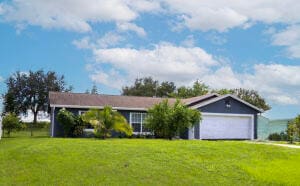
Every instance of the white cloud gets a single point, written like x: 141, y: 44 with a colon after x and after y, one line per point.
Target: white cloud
x: 290, y: 38
x: 166, y: 62
x: 74, y: 15
x: 222, y: 15
x: 125, y: 26
x: 1, y: 79
x: 278, y: 83
x: 189, y: 41
x: 108, y: 40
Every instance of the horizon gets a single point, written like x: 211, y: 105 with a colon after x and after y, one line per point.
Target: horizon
x: 253, y: 45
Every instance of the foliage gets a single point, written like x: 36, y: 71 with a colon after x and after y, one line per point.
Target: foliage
x: 105, y: 121
x: 250, y: 96
x: 11, y: 123
x: 38, y: 125
x: 148, y: 87
x: 293, y: 130
x: 198, y: 89
x: 94, y: 90
x: 278, y: 136
x: 29, y: 91
x: 67, y: 120
x: 73, y: 125
x: 168, y: 121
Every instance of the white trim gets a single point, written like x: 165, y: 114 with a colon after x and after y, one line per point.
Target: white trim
x: 230, y: 114
x: 81, y: 111
x: 225, y: 96
x: 99, y: 107
x: 142, y: 122
x: 52, y: 121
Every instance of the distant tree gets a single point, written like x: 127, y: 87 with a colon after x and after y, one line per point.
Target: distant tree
x: 30, y: 91
x: 87, y: 91
x: 250, y: 96
x: 9, y: 104
x: 223, y: 91
x: 142, y: 87
x: 165, y: 89
x: 10, y: 123
x: 105, y: 121
x: 168, y: 121
x: 94, y: 89
x: 198, y: 89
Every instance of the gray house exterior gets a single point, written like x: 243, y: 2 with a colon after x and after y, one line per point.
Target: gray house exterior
x: 224, y: 117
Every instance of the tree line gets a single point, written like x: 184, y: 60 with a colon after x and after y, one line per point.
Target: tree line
x: 149, y: 87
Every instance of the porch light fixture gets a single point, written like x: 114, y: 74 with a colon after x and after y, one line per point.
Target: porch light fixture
x: 227, y: 103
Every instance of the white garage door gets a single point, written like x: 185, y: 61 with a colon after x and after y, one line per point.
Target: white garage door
x: 226, y: 126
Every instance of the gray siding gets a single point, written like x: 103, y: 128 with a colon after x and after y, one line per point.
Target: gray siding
x: 58, y: 131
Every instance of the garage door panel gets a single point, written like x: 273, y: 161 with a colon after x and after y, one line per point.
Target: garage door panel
x: 225, y: 127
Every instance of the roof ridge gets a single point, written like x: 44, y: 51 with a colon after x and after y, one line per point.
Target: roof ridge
x: 79, y: 93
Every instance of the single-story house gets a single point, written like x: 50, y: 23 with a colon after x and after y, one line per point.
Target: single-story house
x: 223, y: 116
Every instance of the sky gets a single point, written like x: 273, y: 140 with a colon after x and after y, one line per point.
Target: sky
x: 223, y: 43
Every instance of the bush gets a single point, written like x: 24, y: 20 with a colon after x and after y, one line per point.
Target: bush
x: 278, y: 137
x: 11, y: 123
x: 38, y: 125
x: 168, y: 121
x: 72, y: 125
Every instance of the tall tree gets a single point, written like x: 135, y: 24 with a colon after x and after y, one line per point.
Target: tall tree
x: 142, y: 87
x: 30, y: 91
x: 250, y: 96
x: 198, y: 89
x: 165, y: 89
x: 94, y: 89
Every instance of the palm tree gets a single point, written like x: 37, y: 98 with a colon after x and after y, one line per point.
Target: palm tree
x: 105, y: 121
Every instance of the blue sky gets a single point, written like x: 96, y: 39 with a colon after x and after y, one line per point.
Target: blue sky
x: 225, y: 44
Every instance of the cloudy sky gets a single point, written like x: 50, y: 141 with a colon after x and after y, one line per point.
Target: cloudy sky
x: 224, y: 43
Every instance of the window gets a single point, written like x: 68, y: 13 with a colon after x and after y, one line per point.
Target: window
x: 88, y: 126
x: 81, y: 112
x: 137, y: 122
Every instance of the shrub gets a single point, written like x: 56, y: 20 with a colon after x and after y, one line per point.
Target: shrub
x: 67, y: 120
x: 11, y: 123
x: 38, y: 125
x: 169, y: 121
x: 293, y: 131
x: 278, y: 136
x: 73, y: 125
x: 107, y: 121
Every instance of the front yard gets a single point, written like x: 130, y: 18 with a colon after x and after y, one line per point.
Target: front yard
x: 47, y: 161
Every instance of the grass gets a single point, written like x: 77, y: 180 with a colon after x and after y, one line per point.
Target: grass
x: 48, y: 161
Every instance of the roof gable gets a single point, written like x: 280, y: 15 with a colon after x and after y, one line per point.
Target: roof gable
x: 226, y: 96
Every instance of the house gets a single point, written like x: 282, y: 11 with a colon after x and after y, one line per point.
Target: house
x: 223, y: 117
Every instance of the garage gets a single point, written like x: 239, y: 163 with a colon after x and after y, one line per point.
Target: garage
x: 225, y: 117
x: 226, y: 126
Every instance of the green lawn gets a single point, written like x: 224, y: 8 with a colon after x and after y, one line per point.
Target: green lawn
x: 47, y: 161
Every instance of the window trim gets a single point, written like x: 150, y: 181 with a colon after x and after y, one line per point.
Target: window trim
x: 80, y: 112
x: 141, y: 122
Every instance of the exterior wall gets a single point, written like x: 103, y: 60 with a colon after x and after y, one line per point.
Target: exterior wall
x: 58, y: 131
x: 267, y: 127
x: 236, y: 108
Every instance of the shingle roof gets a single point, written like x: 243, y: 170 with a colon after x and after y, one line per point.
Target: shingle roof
x: 99, y: 100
